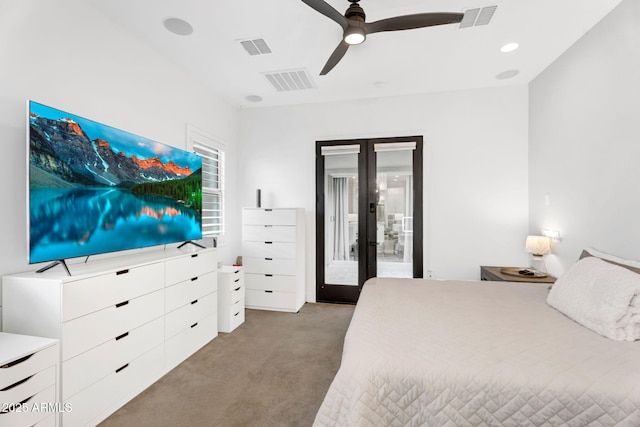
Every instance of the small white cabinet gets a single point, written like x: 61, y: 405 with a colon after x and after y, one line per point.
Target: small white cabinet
x: 231, y: 296
x: 273, y: 256
x: 122, y: 322
x: 28, y: 381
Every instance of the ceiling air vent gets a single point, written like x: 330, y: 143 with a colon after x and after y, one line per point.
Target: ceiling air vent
x: 477, y: 17
x: 255, y: 47
x: 286, y: 81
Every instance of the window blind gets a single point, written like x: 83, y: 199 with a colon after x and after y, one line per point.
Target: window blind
x: 212, y: 189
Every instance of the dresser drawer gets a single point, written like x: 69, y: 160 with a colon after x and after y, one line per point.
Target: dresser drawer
x: 263, y: 282
x: 26, y: 366
x: 236, y: 295
x: 190, y: 314
x: 92, y: 330
x: 236, y: 309
x: 229, y: 274
x: 269, y: 249
x: 190, y: 266
x: 187, y: 342
x: 30, y: 411
x: 95, y: 293
x: 125, y: 382
x: 271, y: 300
x: 27, y: 387
x: 275, y: 233
x: 270, y: 266
x: 90, y: 366
x: 231, y: 317
x: 237, y: 318
x: 269, y: 216
x: 184, y: 292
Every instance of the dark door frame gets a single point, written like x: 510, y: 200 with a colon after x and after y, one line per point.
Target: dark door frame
x: 367, y: 227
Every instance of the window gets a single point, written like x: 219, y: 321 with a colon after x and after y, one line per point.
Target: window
x: 212, y: 182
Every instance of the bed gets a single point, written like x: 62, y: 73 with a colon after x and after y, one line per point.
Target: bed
x: 423, y: 352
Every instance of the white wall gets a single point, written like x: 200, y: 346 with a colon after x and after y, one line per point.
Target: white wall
x: 584, y: 147
x: 65, y: 54
x: 475, y: 175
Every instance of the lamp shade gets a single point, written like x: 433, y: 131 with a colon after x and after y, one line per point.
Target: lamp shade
x: 538, y: 245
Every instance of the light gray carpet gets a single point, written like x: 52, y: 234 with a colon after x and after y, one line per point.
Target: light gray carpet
x: 273, y: 370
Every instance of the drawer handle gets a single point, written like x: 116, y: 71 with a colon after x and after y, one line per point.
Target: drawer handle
x: 236, y: 272
x: 237, y: 280
x: 13, y: 406
x: 236, y: 314
x: 194, y: 301
x: 122, y: 304
x: 238, y: 288
x: 268, y: 243
x: 119, y: 337
x: 17, y: 384
x: 194, y: 325
x: 193, y: 279
x: 194, y: 255
x: 269, y: 275
x: 17, y: 361
x: 266, y: 226
x: 268, y: 259
x: 268, y: 210
x: 122, y: 367
x: 269, y: 292
x: 121, y: 272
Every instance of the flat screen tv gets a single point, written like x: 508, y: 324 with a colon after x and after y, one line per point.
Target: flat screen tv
x: 94, y: 189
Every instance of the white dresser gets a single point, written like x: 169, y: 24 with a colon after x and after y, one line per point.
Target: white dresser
x: 273, y: 255
x: 122, y: 322
x: 28, y: 381
x: 231, y: 293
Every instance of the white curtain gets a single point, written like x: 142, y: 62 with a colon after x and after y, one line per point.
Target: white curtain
x: 341, y: 219
x: 408, y: 211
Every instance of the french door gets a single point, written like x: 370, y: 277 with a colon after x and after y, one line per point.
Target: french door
x: 368, y: 213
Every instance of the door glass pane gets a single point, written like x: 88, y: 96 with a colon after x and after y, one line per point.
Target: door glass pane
x: 341, y: 219
x: 394, y: 213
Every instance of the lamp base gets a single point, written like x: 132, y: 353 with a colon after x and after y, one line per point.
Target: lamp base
x: 537, y: 264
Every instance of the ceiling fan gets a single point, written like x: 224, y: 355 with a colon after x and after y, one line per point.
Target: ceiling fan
x: 356, y: 29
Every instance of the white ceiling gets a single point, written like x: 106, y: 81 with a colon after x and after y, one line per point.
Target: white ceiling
x: 423, y: 60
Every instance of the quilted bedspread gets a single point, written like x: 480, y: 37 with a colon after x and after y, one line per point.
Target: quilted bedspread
x: 451, y: 353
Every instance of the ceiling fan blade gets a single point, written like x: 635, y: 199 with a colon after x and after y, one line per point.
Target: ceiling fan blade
x: 408, y: 22
x: 328, y: 11
x: 335, y: 57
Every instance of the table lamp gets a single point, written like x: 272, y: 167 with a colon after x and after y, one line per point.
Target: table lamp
x: 538, y: 246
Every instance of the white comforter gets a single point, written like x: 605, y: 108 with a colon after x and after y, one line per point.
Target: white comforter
x: 451, y: 353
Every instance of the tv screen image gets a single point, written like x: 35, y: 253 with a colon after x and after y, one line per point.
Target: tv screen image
x: 95, y: 189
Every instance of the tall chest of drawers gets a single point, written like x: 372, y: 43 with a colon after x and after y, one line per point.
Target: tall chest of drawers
x: 273, y: 255
x: 28, y: 381
x: 231, y: 294
x: 122, y: 322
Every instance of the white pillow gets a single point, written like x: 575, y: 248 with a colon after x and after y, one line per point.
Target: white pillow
x: 602, y: 296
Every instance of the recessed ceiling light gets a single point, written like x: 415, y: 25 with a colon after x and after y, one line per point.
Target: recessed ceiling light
x: 253, y: 98
x: 509, y: 47
x: 507, y: 74
x: 177, y: 26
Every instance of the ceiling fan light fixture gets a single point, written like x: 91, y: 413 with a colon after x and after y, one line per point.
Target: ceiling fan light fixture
x: 354, y: 35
